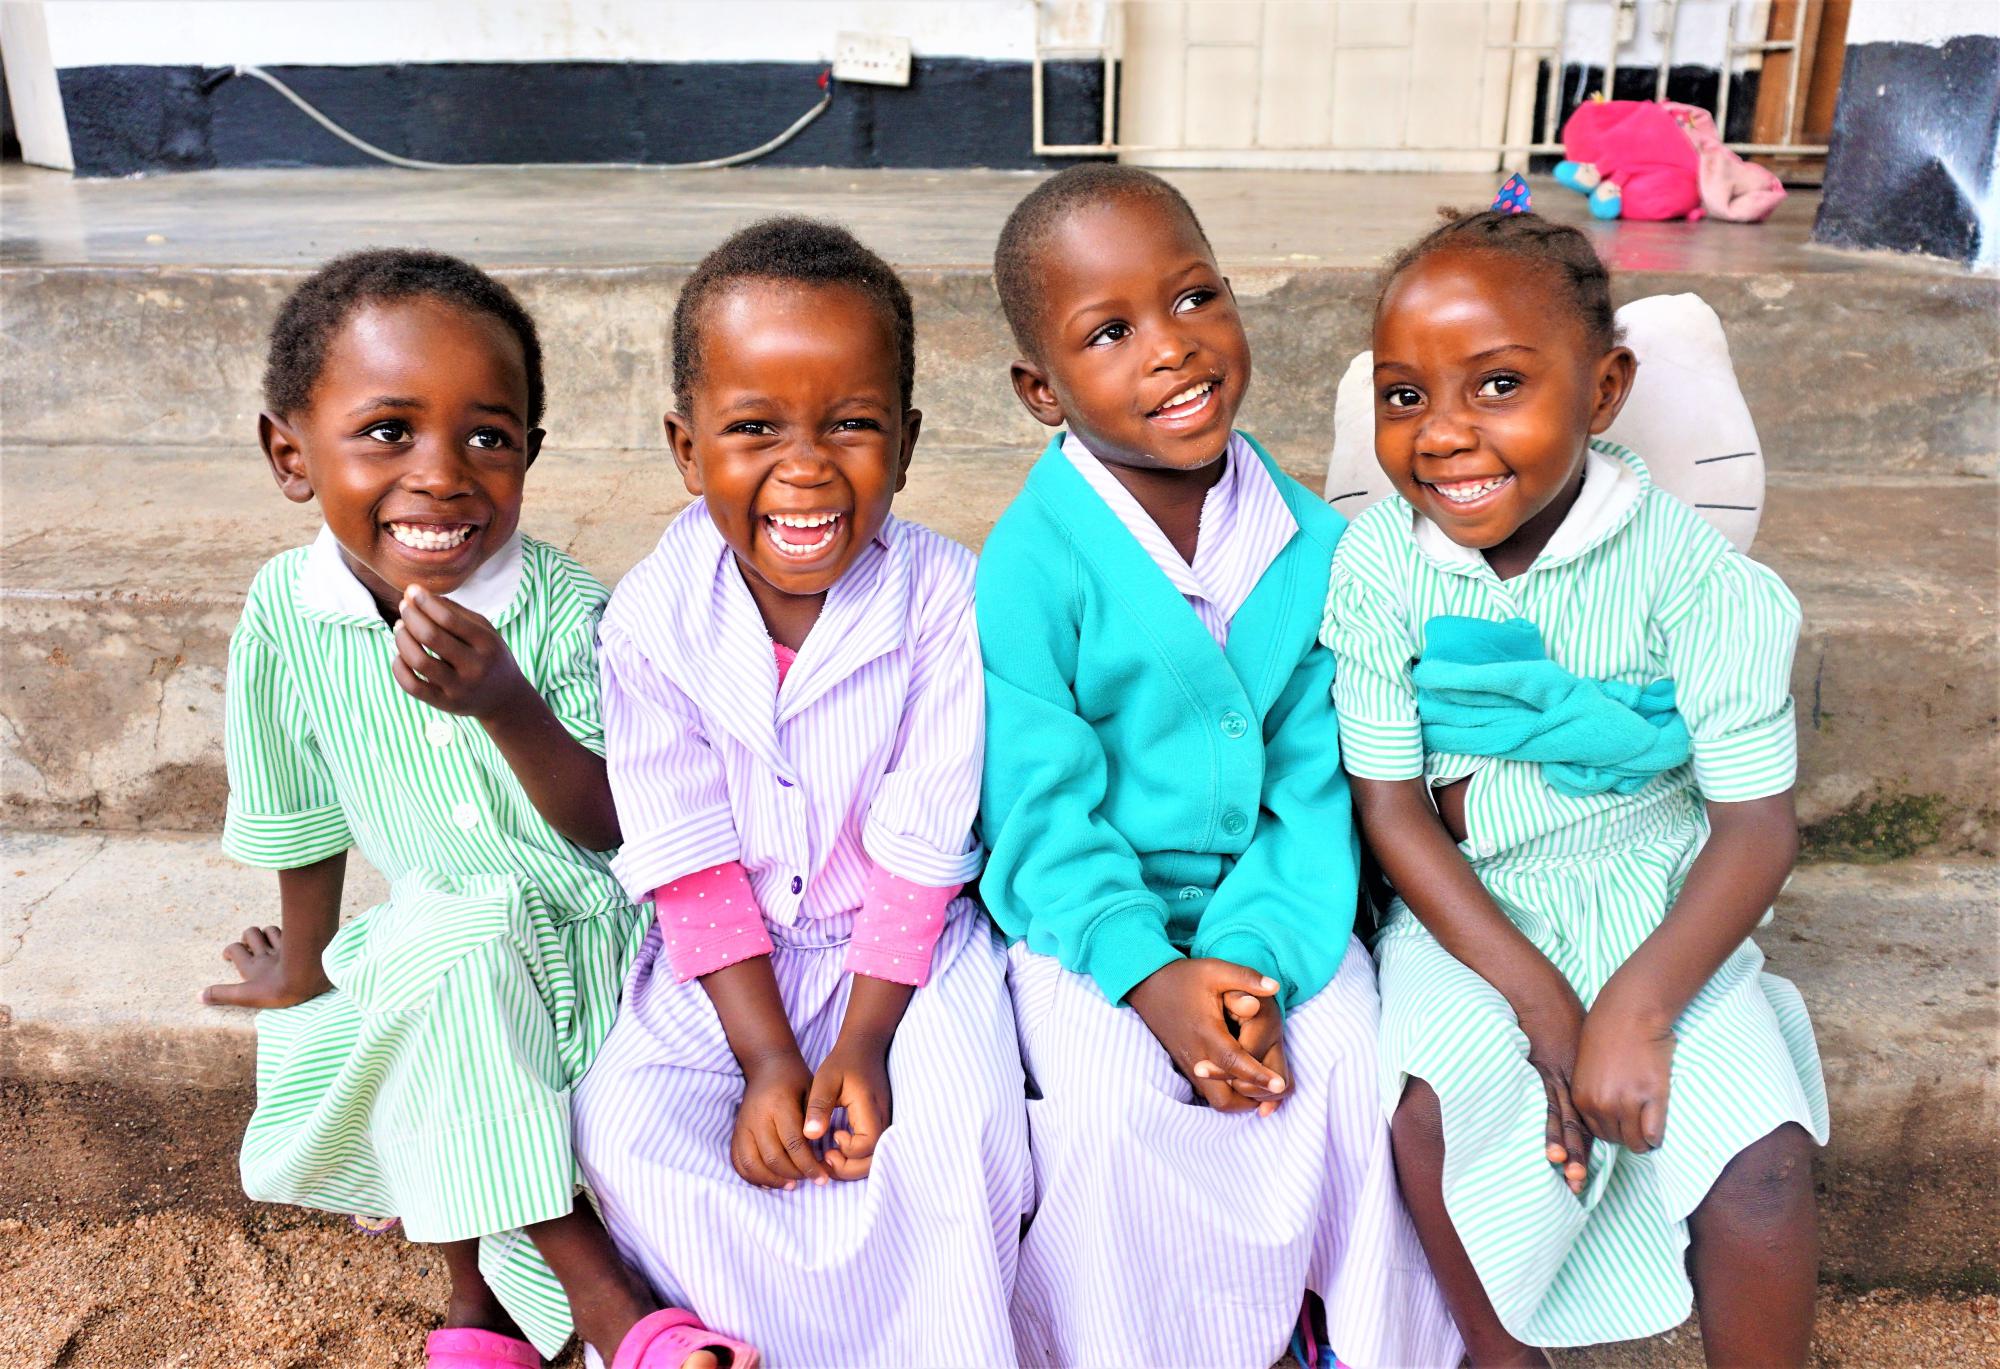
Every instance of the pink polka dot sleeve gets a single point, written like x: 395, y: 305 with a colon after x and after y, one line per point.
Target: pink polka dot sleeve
x: 897, y: 927
x: 710, y: 919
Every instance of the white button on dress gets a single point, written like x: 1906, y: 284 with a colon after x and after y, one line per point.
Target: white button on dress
x: 465, y: 815
x: 440, y: 732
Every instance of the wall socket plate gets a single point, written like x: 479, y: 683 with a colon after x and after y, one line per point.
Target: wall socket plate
x: 871, y: 58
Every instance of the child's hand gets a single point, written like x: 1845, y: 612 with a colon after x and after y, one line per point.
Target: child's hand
x: 854, y: 1076
x: 269, y: 980
x: 1623, y: 1066
x: 769, y: 1147
x: 1553, y: 1025
x: 453, y: 660
x: 1181, y: 1004
x: 1259, y: 1025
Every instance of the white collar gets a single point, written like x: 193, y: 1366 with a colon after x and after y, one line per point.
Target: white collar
x: 328, y: 588
x: 1614, y: 481
x: 1244, y: 485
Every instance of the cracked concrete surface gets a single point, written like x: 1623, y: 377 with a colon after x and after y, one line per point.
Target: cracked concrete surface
x: 106, y: 942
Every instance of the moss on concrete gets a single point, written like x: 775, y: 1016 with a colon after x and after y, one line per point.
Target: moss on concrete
x: 1875, y: 831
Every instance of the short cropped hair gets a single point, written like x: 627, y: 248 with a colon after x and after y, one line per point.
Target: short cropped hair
x: 1016, y: 259
x: 315, y: 311
x: 796, y: 249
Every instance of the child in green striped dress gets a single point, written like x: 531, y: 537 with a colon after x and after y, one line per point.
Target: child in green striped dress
x: 1564, y: 705
x: 422, y: 682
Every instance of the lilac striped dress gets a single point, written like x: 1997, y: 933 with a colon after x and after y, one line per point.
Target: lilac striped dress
x: 1168, y: 1233
x: 867, y: 755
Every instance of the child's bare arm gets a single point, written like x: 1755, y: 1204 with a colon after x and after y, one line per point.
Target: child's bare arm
x: 453, y: 660
x: 1434, y: 879
x: 1628, y: 1040
x: 281, y: 966
x: 769, y: 1147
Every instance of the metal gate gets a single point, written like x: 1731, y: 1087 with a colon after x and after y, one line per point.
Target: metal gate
x: 1384, y: 84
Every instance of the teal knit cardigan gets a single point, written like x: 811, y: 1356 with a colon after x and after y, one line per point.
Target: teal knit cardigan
x: 1147, y: 794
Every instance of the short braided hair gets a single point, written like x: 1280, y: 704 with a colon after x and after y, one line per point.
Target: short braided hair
x: 315, y: 311
x: 790, y: 248
x: 1017, y: 274
x: 1562, y: 251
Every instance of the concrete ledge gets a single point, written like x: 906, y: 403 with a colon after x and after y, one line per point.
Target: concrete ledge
x: 120, y: 593
x: 1884, y: 371
x: 108, y: 939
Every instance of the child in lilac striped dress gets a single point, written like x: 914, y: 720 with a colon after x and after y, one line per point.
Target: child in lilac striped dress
x: 1173, y: 850
x: 808, y: 1123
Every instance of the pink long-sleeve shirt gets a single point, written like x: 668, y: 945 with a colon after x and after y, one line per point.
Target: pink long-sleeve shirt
x: 843, y: 795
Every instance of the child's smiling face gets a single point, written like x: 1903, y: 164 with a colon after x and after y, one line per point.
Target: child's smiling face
x: 796, y: 435
x: 1141, y: 352
x: 1487, y: 391
x: 415, y: 442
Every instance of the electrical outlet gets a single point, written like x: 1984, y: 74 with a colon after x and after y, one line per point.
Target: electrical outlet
x: 871, y: 58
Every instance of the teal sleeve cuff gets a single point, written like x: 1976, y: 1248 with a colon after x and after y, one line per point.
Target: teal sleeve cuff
x: 1252, y: 952
x: 1125, y: 946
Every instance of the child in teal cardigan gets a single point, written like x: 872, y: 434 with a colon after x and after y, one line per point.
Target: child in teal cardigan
x: 1171, y: 834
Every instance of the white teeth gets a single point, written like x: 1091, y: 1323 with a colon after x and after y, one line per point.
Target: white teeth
x: 798, y: 551
x: 1191, y: 393
x: 809, y: 520
x: 1468, y: 491
x: 424, y: 537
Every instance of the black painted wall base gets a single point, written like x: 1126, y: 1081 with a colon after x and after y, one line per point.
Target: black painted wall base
x: 955, y: 112
x: 1910, y: 167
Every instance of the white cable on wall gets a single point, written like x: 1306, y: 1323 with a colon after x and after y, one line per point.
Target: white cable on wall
x: 417, y: 164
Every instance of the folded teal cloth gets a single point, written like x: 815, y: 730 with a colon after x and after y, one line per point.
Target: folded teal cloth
x: 1490, y: 689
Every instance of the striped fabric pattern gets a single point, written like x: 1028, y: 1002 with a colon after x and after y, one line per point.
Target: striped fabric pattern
x: 1171, y: 1234
x: 871, y: 750
x: 1244, y: 524
x: 434, y: 1082
x: 1634, y: 586
x: 867, y: 754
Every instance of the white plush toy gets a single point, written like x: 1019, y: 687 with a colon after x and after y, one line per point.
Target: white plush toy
x: 1685, y: 418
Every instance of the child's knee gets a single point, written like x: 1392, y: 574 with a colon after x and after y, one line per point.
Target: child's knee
x: 1767, y: 1184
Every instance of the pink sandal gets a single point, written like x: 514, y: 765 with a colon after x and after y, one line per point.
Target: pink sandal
x: 666, y: 1338
x: 463, y: 1347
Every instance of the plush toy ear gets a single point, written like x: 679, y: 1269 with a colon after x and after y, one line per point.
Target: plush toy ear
x: 1686, y: 417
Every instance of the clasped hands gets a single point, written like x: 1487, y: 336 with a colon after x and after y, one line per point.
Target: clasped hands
x: 782, y: 1125
x: 1221, y: 1025
x: 1606, y: 1074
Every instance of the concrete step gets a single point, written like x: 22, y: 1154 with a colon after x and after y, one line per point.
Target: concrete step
x: 109, y: 937
x: 123, y: 571
x: 136, y: 311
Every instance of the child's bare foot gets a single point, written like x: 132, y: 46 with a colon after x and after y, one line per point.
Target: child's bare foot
x: 269, y: 980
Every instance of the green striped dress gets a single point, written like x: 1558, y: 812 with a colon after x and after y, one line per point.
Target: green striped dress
x: 1634, y: 586
x: 433, y: 1083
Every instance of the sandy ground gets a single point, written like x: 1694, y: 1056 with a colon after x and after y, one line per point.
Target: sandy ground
x: 291, y: 1291
x: 125, y: 1243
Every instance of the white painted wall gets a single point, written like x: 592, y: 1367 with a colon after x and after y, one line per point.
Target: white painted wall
x: 32, y: 94
x: 356, y: 32
x: 1921, y: 21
